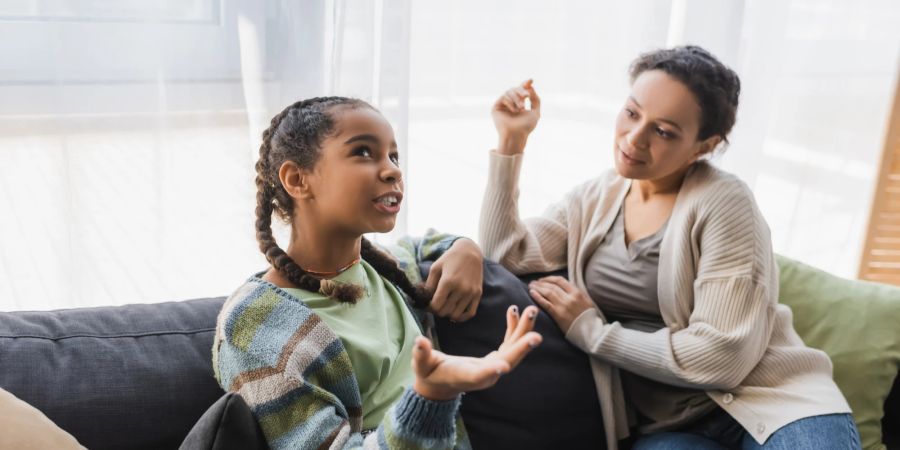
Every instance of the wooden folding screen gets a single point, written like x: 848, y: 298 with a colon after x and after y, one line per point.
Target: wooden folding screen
x: 881, y: 256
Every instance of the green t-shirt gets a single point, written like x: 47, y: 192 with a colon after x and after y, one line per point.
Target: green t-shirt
x: 378, y: 332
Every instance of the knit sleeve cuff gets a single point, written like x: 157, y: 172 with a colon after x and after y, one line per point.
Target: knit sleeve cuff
x: 419, y: 417
x: 584, y: 330
x: 503, y: 170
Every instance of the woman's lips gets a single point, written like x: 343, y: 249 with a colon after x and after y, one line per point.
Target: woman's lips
x: 629, y: 160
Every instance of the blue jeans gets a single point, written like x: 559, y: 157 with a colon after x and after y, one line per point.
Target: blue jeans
x: 719, y: 431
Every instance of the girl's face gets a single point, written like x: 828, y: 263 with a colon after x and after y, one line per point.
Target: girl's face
x: 356, y: 185
x: 656, y: 131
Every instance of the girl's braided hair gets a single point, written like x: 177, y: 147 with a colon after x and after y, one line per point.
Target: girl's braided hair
x: 296, y: 134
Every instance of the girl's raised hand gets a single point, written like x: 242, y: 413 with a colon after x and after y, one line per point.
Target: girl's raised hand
x: 513, y: 119
x: 440, y: 376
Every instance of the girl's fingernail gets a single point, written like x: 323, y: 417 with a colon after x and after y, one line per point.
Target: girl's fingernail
x: 515, y: 309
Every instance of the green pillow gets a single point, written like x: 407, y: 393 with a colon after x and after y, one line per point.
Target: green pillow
x: 858, y: 324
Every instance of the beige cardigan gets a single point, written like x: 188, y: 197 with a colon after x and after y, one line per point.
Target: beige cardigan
x: 718, y: 295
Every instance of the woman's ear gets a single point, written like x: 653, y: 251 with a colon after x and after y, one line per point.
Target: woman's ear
x: 706, y: 147
x: 295, y: 180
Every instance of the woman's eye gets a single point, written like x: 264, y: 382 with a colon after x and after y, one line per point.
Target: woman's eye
x: 663, y: 133
x: 631, y: 114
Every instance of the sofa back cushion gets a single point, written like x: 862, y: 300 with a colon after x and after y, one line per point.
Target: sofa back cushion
x: 858, y: 324
x: 126, y: 377
x: 548, y: 401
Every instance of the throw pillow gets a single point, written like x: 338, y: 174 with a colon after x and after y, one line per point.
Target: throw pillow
x: 26, y: 428
x: 227, y: 424
x: 856, y: 323
x: 548, y: 401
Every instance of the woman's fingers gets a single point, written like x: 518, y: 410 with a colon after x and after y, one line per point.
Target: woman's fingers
x: 532, y: 94
x: 561, y: 282
x: 542, y: 301
x: 509, y: 104
x: 549, y: 290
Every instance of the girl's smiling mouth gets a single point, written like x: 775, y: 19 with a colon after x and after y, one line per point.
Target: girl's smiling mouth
x: 389, y: 203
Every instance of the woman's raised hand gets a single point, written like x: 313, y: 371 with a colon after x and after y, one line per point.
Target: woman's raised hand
x: 513, y: 119
x: 440, y: 376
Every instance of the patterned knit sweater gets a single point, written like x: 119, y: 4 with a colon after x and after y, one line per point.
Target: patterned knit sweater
x: 725, y: 331
x: 296, y: 375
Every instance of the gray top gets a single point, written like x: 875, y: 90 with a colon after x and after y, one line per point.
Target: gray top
x: 622, y: 280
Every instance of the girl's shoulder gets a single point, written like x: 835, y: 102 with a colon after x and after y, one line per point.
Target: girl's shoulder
x: 253, y: 302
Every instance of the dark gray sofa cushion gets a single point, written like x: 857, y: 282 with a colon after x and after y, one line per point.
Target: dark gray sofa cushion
x: 549, y: 401
x: 227, y: 425
x: 127, y: 377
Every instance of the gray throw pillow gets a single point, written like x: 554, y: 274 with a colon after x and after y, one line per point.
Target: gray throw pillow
x: 227, y: 425
x: 548, y: 401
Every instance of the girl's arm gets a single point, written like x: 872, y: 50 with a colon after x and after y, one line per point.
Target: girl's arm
x: 456, y: 276
x: 292, y: 371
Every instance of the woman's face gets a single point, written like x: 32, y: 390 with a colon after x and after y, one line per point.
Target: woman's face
x: 656, y: 130
x: 356, y: 185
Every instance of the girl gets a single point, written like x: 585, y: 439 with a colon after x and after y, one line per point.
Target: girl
x: 673, y: 287
x: 322, y: 345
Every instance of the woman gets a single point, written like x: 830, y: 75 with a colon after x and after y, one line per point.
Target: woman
x: 673, y: 287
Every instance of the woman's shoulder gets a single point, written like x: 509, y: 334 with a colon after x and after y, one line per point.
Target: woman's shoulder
x: 710, y: 185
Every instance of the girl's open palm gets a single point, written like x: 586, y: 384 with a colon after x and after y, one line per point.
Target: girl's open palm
x: 440, y: 376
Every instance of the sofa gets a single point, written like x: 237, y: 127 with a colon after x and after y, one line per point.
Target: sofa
x: 139, y: 376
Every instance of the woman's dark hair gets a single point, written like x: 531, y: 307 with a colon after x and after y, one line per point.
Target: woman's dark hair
x: 715, y: 86
x: 296, y: 134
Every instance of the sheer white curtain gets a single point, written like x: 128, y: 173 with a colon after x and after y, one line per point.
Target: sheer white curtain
x: 129, y: 130
x: 817, y: 75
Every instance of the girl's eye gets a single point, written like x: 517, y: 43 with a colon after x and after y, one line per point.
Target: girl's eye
x: 395, y: 157
x: 664, y: 134
x: 365, y: 152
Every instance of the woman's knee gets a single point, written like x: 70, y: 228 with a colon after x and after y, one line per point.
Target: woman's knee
x: 827, y: 432
x: 675, y: 441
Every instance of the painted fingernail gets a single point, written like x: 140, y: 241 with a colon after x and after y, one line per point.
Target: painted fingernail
x: 515, y: 309
x: 532, y: 315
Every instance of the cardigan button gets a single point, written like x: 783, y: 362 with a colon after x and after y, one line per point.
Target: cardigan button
x: 760, y: 428
x: 728, y: 398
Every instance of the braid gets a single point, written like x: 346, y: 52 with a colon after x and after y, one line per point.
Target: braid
x: 271, y: 196
x: 387, y: 267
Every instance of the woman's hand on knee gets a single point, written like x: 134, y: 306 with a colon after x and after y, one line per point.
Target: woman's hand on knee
x: 442, y: 377
x: 513, y: 119
x: 456, y: 280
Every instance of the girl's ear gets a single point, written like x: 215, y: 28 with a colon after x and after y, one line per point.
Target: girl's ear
x: 295, y: 180
x: 706, y: 146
